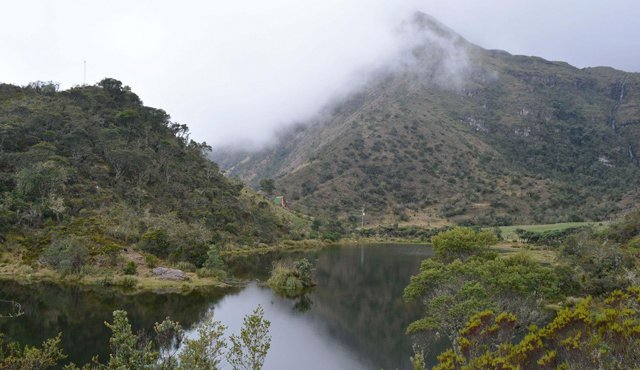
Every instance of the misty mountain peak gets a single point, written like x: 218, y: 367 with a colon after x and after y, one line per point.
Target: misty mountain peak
x: 425, y: 22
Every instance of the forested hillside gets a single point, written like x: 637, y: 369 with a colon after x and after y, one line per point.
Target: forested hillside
x: 87, y: 172
x: 464, y: 134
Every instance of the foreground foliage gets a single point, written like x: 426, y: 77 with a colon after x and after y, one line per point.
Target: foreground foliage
x: 168, y: 350
x: 484, y: 303
x: 592, y: 335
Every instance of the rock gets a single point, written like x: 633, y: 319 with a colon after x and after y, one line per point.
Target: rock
x: 165, y: 273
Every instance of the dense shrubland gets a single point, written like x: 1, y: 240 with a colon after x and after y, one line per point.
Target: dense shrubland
x: 88, y: 172
x: 512, y: 312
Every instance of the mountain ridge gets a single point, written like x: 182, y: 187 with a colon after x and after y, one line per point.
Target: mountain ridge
x: 533, y: 139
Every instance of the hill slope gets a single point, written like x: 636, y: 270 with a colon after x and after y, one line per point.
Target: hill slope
x: 467, y: 134
x: 92, y: 165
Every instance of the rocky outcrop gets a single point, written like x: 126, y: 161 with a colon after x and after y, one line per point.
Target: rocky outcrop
x: 165, y: 273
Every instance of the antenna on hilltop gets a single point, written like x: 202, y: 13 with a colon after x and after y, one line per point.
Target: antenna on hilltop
x: 84, y: 78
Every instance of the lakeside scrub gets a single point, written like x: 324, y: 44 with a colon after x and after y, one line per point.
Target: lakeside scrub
x: 291, y: 279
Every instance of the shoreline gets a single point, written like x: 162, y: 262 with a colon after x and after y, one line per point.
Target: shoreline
x: 145, y: 282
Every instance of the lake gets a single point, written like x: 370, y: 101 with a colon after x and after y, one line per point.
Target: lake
x: 354, y: 318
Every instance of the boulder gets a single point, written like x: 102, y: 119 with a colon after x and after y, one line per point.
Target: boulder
x: 165, y: 273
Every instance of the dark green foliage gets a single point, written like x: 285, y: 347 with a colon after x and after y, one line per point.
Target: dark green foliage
x: 626, y: 229
x: 268, y: 186
x: 403, y: 232
x: 15, y: 357
x: 249, y: 348
x: 155, y: 242
x: 462, y: 242
x: 598, y: 264
x: 550, y: 237
x: 291, y: 279
x: 130, y: 268
x: 67, y: 255
x: 93, y: 163
x: 453, y: 292
x: 213, y: 261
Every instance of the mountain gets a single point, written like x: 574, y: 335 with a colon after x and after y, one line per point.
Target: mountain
x: 93, y: 167
x: 456, y: 132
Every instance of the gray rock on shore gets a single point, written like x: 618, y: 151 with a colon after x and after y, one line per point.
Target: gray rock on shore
x: 165, y: 273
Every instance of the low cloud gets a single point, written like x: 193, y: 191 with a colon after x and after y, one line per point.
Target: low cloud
x: 235, y: 72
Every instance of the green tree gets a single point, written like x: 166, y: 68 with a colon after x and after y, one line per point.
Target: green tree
x: 15, y: 357
x: 268, y: 186
x: 452, y: 293
x: 213, y: 261
x: 249, y: 349
x: 205, y: 352
x: 67, y: 255
x: 462, y: 242
x: 127, y: 349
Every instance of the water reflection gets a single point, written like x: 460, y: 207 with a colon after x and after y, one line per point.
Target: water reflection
x: 79, y: 313
x: 353, y: 319
x: 357, y: 304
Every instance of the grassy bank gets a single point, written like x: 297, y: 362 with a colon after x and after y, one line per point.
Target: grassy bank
x: 25, y: 274
x: 12, y: 268
x: 509, y: 232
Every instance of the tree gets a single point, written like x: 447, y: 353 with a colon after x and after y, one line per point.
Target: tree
x: 462, y: 242
x: 207, y: 350
x: 13, y: 356
x: 111, y: 85
x: 127, y: 350
x: 268, y: 186
x: 249, y: 349
x: 453, y: 292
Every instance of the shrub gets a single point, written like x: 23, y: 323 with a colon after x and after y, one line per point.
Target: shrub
x: 130, y: 268
x: 634, y: 243
x: 213, y: 260
x: 186, y: 266
x: 591, y: 335
x: 462, y: 242
x: 291, y: 279
x: 66, y: 255
x: 211, y: 273
x: 151, y: 261
x: 128, y: 282
x: 156, y: 242
x: 105, y: 281
x: 112, y: 251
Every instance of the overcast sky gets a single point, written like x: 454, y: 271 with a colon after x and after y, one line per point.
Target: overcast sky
x: 234, y: 70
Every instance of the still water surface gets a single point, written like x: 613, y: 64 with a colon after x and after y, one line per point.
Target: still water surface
x: 353, y: 319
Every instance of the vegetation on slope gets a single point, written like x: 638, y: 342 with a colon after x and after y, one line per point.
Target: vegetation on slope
x: 518, y: 140
x: 500, y: 297
x: 87, y: 173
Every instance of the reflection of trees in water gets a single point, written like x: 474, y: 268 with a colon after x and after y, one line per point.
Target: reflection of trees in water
x: 303, y: 303
x: 259, y: 266
x: 80, y: 313
x: 362, y: 302
x: 360, y: 305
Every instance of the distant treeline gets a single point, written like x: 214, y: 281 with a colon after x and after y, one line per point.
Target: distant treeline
x: 403, y: 232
